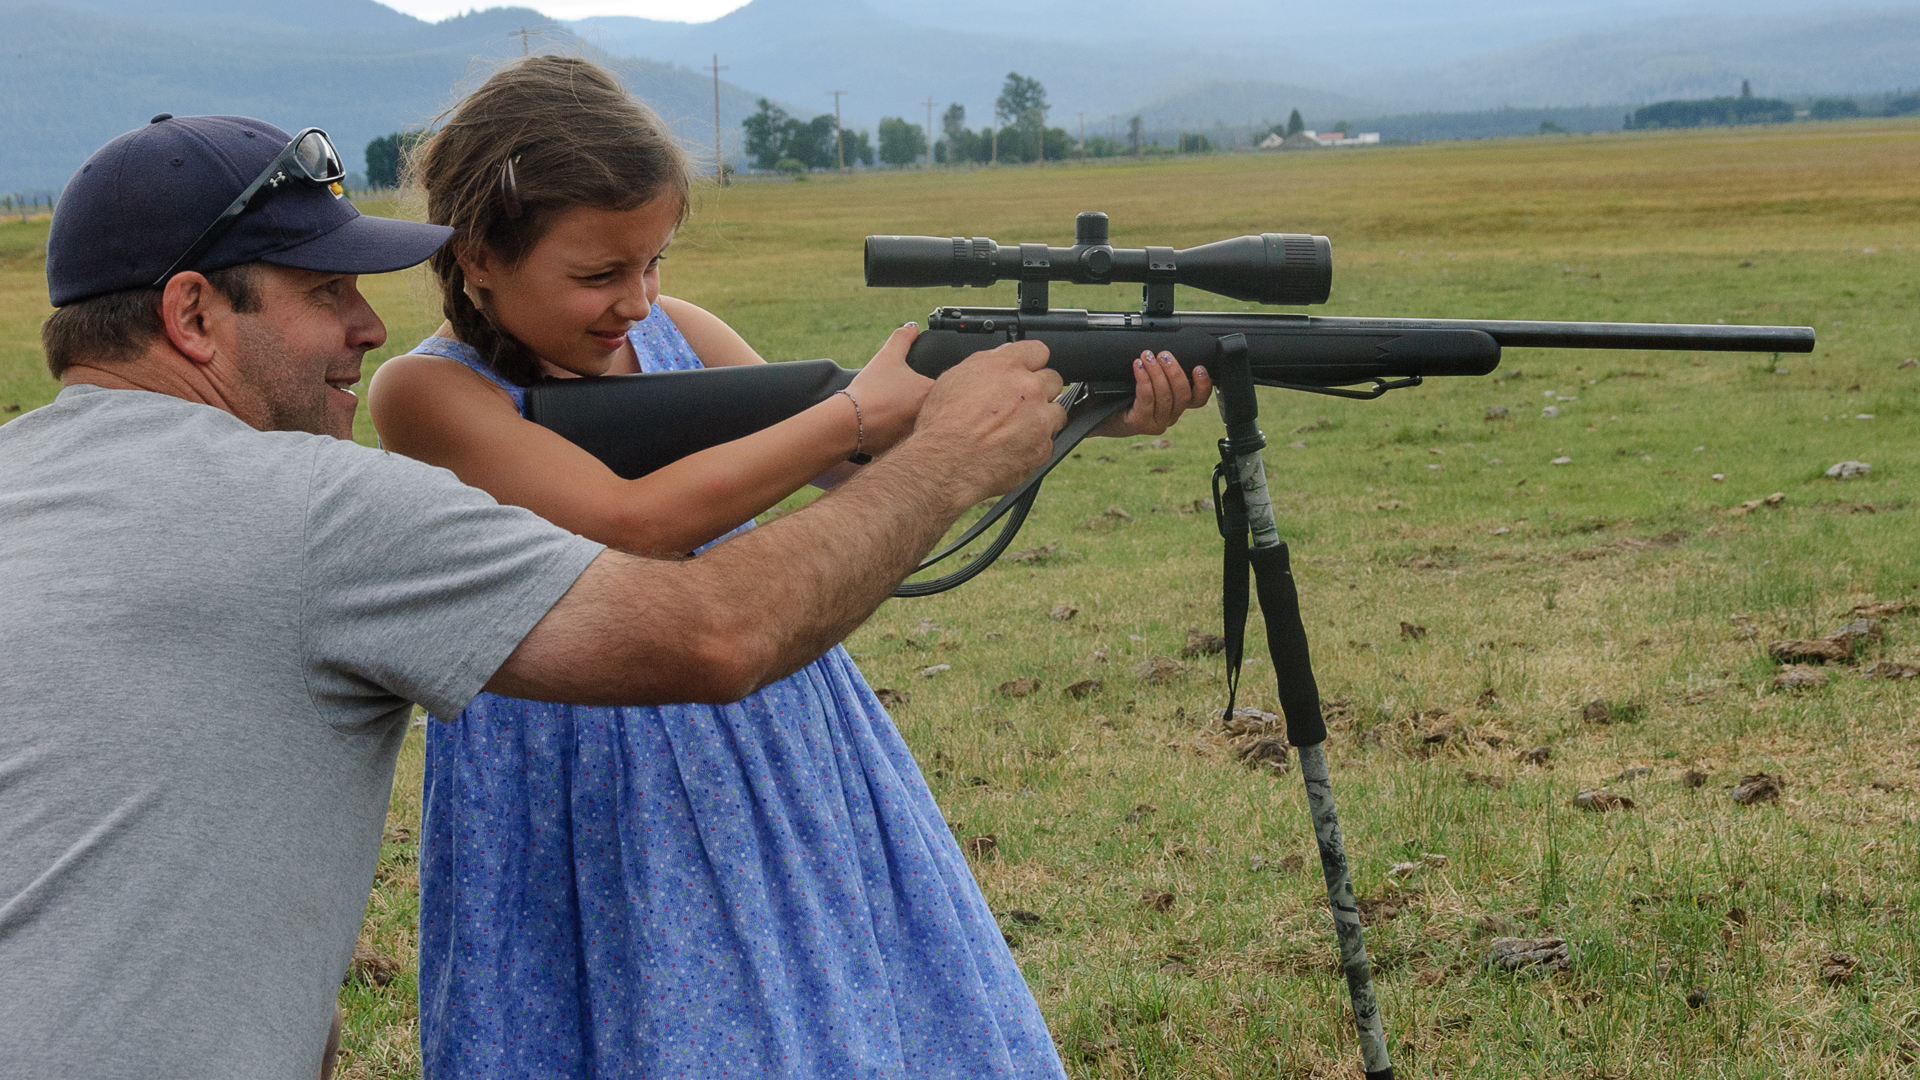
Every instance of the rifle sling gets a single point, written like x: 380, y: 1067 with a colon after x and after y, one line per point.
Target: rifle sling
x: 1272, y: 575
x: 1088, y: 409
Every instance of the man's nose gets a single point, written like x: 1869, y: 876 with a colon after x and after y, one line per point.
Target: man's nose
x: 365, y: 331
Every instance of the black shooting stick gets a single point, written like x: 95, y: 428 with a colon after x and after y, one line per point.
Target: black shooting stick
x: 1243, y: 507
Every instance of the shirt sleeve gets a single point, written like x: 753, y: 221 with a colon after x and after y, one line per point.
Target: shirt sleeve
x: 418, y: 587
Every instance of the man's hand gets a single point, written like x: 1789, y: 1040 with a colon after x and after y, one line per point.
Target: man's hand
x: 990, y: 420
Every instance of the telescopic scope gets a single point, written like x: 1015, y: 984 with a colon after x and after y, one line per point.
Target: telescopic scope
x: 1272, y: 268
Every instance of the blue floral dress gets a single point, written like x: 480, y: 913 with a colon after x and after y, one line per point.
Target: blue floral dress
x: 762, y: 889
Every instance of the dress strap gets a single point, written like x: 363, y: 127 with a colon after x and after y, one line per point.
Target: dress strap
x: 450, y: 349
x: 660, y: 346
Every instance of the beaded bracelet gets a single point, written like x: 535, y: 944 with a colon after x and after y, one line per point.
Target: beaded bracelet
x: 859, y: 432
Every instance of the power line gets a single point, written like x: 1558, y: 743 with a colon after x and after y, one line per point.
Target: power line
x: 839, y: 150
x: 929, y: 104
x: 719, y: 170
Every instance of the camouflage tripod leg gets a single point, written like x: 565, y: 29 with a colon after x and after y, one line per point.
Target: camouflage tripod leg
x: 1346, y: 914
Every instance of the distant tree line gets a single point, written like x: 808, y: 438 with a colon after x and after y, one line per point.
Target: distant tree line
x: 1747, y: 109
x: 776, y: 141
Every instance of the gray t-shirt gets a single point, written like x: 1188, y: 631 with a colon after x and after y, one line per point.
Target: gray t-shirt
x: 210, y: 637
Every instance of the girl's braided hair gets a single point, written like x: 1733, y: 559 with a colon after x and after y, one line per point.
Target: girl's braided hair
x: 542, y: 135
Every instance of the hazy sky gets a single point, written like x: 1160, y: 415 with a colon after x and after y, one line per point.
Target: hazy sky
x: 679, y: 10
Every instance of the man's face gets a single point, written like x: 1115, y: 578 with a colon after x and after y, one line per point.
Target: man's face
x: 292, y: 363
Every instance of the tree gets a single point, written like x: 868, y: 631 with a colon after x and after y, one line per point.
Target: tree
x: 812, y: 142
x: 1136, y: 135
x: 901, y: 143
x: 1746, y: 89
x: 1295, y: 125
x: 1834, y: 109
x: 1021, y: 110
x: 856, y: 145
x: 766, y: 132
x: 960, y: 144
x: 387, y: 156
x: 1021, y: 100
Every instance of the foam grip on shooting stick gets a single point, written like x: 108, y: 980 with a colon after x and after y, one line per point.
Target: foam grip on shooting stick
x: 1287, y: 642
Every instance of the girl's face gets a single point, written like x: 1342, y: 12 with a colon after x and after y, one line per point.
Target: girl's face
x: 592, y: 276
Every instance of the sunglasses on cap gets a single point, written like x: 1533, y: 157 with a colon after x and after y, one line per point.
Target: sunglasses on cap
x: 309, y: 159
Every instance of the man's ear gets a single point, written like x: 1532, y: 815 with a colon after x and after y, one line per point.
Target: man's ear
x: 187, y: 304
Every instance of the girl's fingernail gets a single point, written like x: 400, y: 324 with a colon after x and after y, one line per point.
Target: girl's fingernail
x: 913, y: 326
x: 1198, y: 372
x: 1139, y: 365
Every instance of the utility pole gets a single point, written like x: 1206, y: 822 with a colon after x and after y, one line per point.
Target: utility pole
x: 523, y: 34
x: 719, y: 170
x: 839, y: 151
x: 929, y: 104
x: 1083, y: 134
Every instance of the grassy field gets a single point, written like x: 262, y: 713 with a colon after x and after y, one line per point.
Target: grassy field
x: 1165, y: 918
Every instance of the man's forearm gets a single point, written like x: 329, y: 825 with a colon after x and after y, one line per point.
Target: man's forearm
x: 832, y: 563
x: 637, y: 631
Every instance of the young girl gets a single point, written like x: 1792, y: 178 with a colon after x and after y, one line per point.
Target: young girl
x: 760, y: 889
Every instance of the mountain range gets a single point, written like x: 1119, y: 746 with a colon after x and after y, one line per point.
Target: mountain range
x: 82, y: 71
x: 75, y: 73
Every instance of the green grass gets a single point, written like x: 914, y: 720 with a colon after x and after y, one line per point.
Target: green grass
x: 1616, y: 577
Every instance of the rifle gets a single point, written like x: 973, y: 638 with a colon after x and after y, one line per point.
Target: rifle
x: 639, y: 423
x: 636, y: 423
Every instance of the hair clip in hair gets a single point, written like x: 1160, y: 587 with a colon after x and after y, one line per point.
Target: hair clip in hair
x: 510, y: 191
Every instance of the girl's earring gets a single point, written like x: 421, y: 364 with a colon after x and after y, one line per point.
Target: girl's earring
x: 473, y: 292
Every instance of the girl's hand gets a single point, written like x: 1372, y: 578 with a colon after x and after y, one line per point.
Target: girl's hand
x: 889, y: 393
x: 1161, y: 392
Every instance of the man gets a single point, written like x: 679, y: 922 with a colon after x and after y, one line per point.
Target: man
x: 218, y: 612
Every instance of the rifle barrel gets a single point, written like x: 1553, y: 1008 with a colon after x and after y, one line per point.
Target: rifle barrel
x: 1693, y: 337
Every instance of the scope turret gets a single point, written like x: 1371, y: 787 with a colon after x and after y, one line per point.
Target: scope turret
x: 1272, y: 268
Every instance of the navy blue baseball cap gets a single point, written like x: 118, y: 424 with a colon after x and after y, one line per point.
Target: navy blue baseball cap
x: 142, y: 200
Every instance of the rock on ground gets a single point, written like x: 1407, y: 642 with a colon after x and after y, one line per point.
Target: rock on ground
x: 1800, y: 677
x: 1600, y: 800
x: 1758, y: 788
x: 1517, y: 954
x: 1159, y: 669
